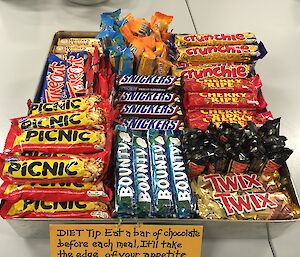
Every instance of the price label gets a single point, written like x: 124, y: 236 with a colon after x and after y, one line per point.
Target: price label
x: 128, y: 240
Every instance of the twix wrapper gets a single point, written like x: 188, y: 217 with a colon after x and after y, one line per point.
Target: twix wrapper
x: 225, y: 203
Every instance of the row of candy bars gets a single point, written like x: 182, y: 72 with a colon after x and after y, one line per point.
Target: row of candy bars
x: 150, y: 102
x: 78, y: 71
x: 219, y: 75
x: 151, y: 178
x: 56, y: 160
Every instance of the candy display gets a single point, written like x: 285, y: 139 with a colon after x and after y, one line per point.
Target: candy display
x: 137, y: 122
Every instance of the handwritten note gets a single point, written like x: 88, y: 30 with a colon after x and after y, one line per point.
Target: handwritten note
x: 128, y: 240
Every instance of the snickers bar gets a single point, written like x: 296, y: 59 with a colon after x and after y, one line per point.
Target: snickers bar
x: 149, y: 83
x: 157, y: 124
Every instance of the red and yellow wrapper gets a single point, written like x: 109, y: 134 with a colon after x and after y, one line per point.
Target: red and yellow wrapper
x: 49, y: 192
x: 96, y: 117
x: 250, y: 101
x: 196, y: 55
x: 57, y: 140
x: 215, y: 70
x: 67, y: 105
x: 48, y: 209
x: 81, y: 168
x: 227, y: 85
x: 187, y: 40
x: 201, y: 118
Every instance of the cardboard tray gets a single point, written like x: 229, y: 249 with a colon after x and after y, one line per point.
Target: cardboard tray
x: 39, y: 228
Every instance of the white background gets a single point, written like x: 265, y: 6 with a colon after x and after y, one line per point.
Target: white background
x: 26, y: 30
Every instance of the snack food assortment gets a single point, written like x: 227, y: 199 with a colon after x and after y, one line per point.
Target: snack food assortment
x: 167, y: 125
x: 55, y: 160
x: 220, y: 81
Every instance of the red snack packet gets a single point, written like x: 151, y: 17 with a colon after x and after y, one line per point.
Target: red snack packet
x: 228, y: 85
x: 56, y: 169
x: 92, y: 118
x: 48, y: 209
x: 228, y: 70
x: 56, y: 192
x: 201, y: 118
x: 57, y: 140
x: 67, y: 105
x: 250, y: 101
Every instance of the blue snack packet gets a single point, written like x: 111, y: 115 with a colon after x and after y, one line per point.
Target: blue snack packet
x: 125, y: 198
x: 183, y: 196
x: 162, y: 189
x: 54, y: 82
x: 115, y: 53
x: 142, y: 168
x: 126, y: 62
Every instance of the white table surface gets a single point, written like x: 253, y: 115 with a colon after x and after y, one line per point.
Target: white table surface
x: 26, y: 30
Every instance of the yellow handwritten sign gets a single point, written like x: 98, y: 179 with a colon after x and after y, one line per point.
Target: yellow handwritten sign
x: 111, y: 240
